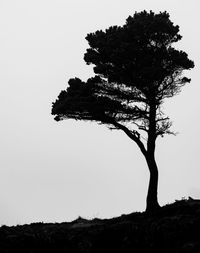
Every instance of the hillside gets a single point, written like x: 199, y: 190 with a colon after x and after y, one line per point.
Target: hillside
x: 175, y: 228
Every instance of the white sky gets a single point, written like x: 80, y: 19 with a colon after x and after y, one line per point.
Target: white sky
x: 53, y: 172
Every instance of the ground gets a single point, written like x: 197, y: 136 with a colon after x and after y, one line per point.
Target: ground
x: 174, y: 228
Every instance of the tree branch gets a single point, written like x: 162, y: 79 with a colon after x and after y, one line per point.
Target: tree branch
x: 162, y: 119
x: 134, y: 135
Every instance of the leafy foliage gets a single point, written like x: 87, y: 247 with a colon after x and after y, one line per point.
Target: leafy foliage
x: 136, y: 67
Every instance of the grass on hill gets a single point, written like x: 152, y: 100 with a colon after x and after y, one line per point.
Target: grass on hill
x: 174, y: 228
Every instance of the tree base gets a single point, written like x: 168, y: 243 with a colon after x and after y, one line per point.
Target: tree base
x: 153, y: 209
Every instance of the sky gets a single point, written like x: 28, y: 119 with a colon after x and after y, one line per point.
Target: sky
x: 56, y: 171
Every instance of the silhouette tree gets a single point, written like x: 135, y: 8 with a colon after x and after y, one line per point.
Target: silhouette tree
x: 136, y: 68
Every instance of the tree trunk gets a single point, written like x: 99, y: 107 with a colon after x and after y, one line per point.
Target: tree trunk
x: 152, y: 195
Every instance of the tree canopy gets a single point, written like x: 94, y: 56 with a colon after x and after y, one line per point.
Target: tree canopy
x: 134, y: 65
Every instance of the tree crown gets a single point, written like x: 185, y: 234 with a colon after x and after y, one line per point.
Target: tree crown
x: 136, y: 67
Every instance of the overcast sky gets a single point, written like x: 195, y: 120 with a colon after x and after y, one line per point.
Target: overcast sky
x: 55, y: 171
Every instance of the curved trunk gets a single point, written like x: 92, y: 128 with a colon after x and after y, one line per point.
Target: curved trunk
x: 152, y: 195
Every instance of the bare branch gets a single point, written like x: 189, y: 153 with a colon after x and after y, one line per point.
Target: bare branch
x: 134, y: 135
x: 162, y: 119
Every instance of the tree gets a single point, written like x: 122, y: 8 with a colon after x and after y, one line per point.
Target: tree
x: 136, y: 68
